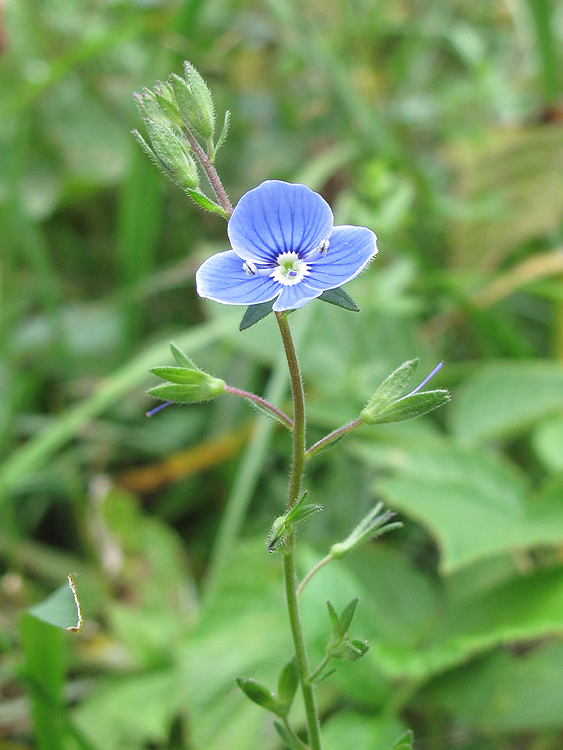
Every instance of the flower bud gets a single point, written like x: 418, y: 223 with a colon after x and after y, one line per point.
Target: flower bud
x: 173, y: 152
x: 194, y: 102
x: 186, y: 386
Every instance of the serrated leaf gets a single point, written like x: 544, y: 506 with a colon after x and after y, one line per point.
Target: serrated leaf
x: 347, y: 615
x: 61, y: 608
x: 182, y: 359
x: 288, y: 683
x: 411, y: 407
x: 254, y: 314
x: 339, y: 298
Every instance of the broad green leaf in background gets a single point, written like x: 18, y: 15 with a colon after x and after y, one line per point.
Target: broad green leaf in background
x: 504, y: 398
x: 505, y: 691
x: 61, y: 608
x: 348, y: 729
x: 473, y: 504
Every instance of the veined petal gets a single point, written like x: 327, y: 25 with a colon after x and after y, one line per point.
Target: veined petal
x: 278, y: 217
x: 223, y: 279
x: 350, y: 250
x: 295, y: 296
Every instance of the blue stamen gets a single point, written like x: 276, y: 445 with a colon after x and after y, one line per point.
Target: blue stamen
x: 158, y: 408
x: 434, y: 371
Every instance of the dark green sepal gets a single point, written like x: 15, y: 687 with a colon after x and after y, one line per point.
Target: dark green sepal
x: 412, y: 406
x: 339, y: 645
x: 282, y: 524
x: 261, y: 695
x: 189, y: 393
x: 180, y: 375
x: 182, y: 359
x: 254, y: 314
x: 339, y: 298
x: 390, y: 390
x: 347, y: 615
x: 287, y: 684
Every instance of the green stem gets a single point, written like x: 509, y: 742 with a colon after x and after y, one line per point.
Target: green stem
x: 297, y: 467
x: 312, y: 572
x: 261, y: 402
x: 211, y: 173
x: 334, y: 435
x: 319, y: 669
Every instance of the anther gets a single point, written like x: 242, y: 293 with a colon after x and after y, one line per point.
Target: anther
x: 323, y: 247
x: 249, y: 268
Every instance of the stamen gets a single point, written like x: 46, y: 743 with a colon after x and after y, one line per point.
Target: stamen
x: 158, y: 408
x: 249, y: 268
x: 434, y: 371
x: 323, y: 247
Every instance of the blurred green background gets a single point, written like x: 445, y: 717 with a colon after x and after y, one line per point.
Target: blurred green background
x: 436, y: 123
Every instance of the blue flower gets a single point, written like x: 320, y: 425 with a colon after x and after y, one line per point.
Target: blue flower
x: 284, y: 247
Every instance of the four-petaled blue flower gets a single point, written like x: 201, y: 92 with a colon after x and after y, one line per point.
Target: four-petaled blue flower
x: 284, y: 247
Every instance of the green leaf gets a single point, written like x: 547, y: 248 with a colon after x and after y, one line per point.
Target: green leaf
x: 223, y: 135
x: 265, y: 411
x: 288, y: 683
x: 335, y: 620
x: 61, y: 608
x: 286, y: 737
x: 413, y: 406
x: 347, y: 615
x: 503, y: 399
x: 182, y: 359
x: 339, y: 298
x: 473, y: 504
x: 505, y: 692
x: 301, y: 512
x: 254, y: 314
x: 204, y: 202
x: 351, y: 730
x: 261, y: 696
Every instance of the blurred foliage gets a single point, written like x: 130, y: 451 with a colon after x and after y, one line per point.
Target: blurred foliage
x: 438, y: 125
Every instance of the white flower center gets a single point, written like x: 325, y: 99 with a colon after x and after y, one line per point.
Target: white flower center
x: 290, y: 269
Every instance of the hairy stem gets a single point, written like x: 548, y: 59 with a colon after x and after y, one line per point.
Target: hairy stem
x: 261, y: 402
x: 297, y: 467
x: 312, y: 572
x: 325, y: 442
x: 211, y: 173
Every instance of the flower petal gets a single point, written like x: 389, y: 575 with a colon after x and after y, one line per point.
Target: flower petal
x: 295, y: 296
x: 223, y: 279
x: 350, y: 250
x: 278, y: 217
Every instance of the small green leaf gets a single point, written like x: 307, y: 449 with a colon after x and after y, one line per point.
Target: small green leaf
x: 413, y: 406
x: 302, y: 511
x: 291, y: 743
x: 266, y: 412
x: 223, y: 136
x: 339, y: 298
x: 288, y: 684
x: 261, y: 695
x: 404, y: 742
x: 348, y: 615
x: 61, y: 608
x: 254, y: 314
x: 204, y: 202
x: 182, y: 359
